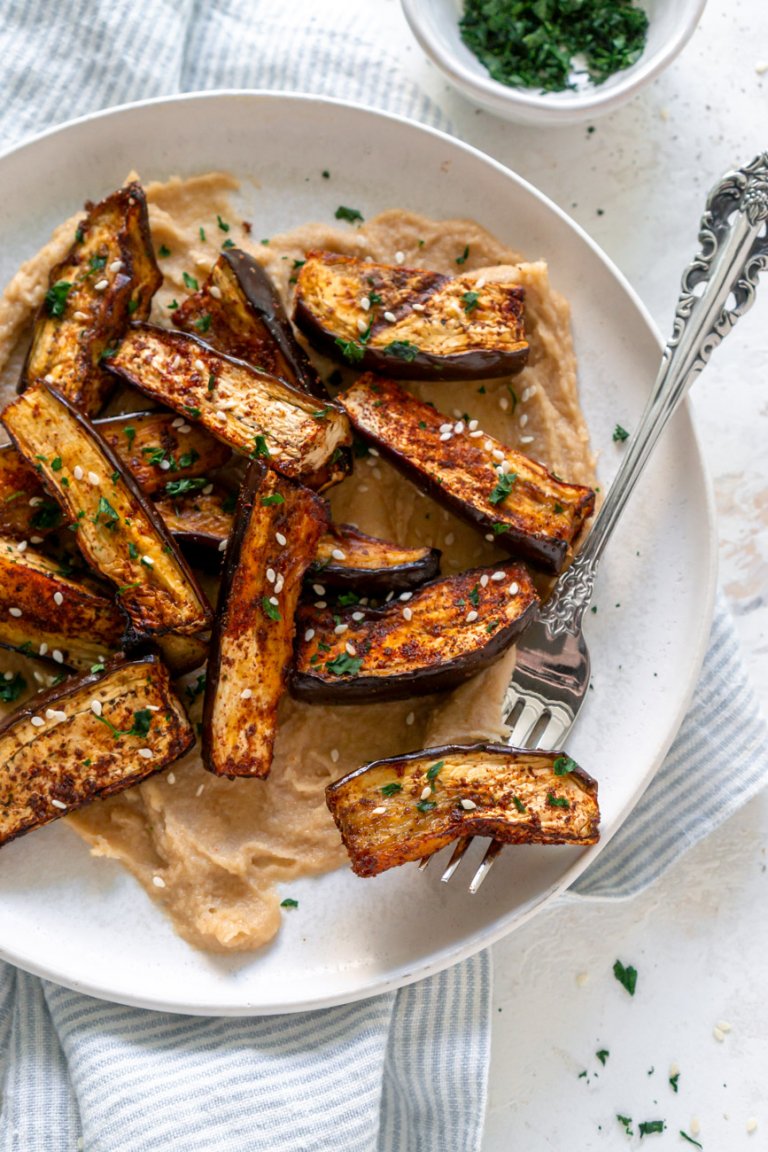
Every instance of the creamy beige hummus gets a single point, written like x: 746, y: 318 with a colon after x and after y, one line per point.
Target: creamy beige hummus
x: 212, y: 851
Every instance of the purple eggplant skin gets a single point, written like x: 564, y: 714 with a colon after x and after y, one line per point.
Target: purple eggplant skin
x: 261, y: 294
x: 377, y: 633
x: 346, y: 576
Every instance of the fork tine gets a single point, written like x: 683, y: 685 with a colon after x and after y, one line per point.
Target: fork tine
x: 456, y: 858
x: 525, y: 723
x: 484, y: 868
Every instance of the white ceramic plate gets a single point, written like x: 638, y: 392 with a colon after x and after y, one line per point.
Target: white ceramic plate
x: 84, y: 922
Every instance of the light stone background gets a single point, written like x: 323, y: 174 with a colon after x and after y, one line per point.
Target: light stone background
x: 699, y: 938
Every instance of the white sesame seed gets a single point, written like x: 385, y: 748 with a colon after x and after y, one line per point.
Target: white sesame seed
x: 94, y: 479
x: 490, y: 536
x: 8, y: 675
x: 389, y: 596
x: 338, y: 554
x: 246, y: 694
x: 408, y: 613
x: 477, y: 432
x: 177, y: 423
x: 21, y: 546
x: 208, y: 489
x: 468, y: 805
x: 370, y: 461
x: 523, y: 419
x: 446, y: 435
x: 399, y: 257
x: 340, y: 629
x: 35, y: 539
x: 59, y: 804
x: 37, y: 721
x: 752, y: 1122
x: 674, y: 1069
x: 58, y: 715
x: 504, y: 466
x: 146, y: 753
x: 449, y: 539
x: 446, y: 427
x: 362, y: 488
x: 184, y: 429
x: 96, y: 707
x: 419, y: 308
x: 148, y: 561
x: 724, y: 1026
x: 77, y: 472
x: 223, y: 545
x: 357, y: 616
x: 484, y: 580
x: 149, y: 707
x: 280, y: 539
x: 718, y: 1034
x: 279, y: 583
x: 458, y: 427
x: 350, y: 649
x: 271, y: 575
x: 378, y: 811
x: 472, y: 425
x: 390, y: 317
x: 582, y: 978
x: 365, y: 303
x: 527, y: 439
x: 321, y: 604
x: 76, y: 316
x: 158, y: 882
x: 49, y: 713
x: 165, y: 465
x: 200, y: 787
x: 335, y: 755
x: 33, y: 503
x: 373, y: 451
x: 58, y: 598
x: 527, y: 393
x: 14, y: 612
x: 514, y: 588
x: 498, y: 576
x: 405, y: 596
x: 198, y: 364
x: 308, y: 635
x: 488, y: 445
x: 116, y: 266
x: 410, y: 718
x: 220, y: 416
x: 171, y: 778
x: 426, y: 792
x: 471, y: 616
x: 100, y: 285
x: 695, y: 1126
x: 215, y: 291
x: 39, y: 678
x: 362, y: 324
x: 497, y: 454
x: 318, y: 589
x: 43, y: 648
x: 503, y: 403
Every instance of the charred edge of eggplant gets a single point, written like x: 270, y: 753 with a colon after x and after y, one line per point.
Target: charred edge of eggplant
x: 72, y: 684
x: 398, y: 578
x: 262, y: 296
x: 478, y: 364
x: 254, y: 478
x: 132, y: 635
x: 445, y: 677
x: 442, y: 750
x: 543, y: 552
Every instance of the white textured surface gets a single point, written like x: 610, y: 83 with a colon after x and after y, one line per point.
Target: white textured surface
x: 699, y: 938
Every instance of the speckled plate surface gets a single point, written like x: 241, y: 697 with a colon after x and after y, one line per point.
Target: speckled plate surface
x: 84, y: 922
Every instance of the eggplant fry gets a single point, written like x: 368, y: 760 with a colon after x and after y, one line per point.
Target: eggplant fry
x: 407, y: 322
x: 88, y: 738
x: 277, y: 526
x: 396, y: 810
x: 257, y: 414
x: 512, y: 499
x: 117, y: 529
x: 108, y: 277
x: 238, y: 312
x: 446, y: 632
x: 159, y: 449
x: 200, y: 523
x: 349, y: 559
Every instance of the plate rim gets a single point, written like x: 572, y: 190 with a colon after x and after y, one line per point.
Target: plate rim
x: 456, y: 952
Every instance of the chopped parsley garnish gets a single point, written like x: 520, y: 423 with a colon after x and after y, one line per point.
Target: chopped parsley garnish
x: 189, y: 282
x: 620, y: 433
x: 203, y: 323
x: 10, y: 690
x: 499, y: 529
x: 563, y: 765
x: 403, y: 349
x: 106, y: 510
x: 193, y: 412
x: 519, y: 804
x: 187, y: 459
x: 97, y: 667
x: 435, y: 769
x: 602, y: 1055
x: 627, y: 977
x: 270, y: 609
x: 173, y: 305
x: 180, y: 487
x: 526, y: 45
x: 163, y: 250
x: 222, y: 224
x: 347, y: 599
x: 350, y: 350
x: 470, y: 301
x: 96, y: 264
x: 140, y: 727
x: 626, y: 1121
x: 646, y: 1127
x: 275, y: 498
x: 132, y: 306
x: 690, y: 1139
x: 557, y: 801
x: 673, y: 1080
x: 350, y: 214
x: 391, y: 789
x: 322, y: 413
x: 192, y: 691
x: 260, y: 446
x: 426, y: 805
x: 56, y: 297
x: 56, y: 464
x: 133, y: 551
x: 558, y: 509
x: 474, y: 596
x: 228, y: 243
x: 344, y: 665
x: 503, y: 487
x: 201, y: 233
x: 464, y: 256
x: 289, y: 902
x: 512, y: 396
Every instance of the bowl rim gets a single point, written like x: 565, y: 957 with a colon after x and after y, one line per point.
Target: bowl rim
x: 563, y: 106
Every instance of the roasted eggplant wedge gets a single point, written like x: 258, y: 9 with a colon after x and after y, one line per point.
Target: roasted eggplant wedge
x: 514, y: 500
x: 238, y: 312
x: 427, y: 641
x: 406, y: 807
x: 91, y: 737
x: 351, y: 560
x: 44, y: 613
x: 257, y: 414
x: 108, y: 277
x: 409, y: 323
x: 117, y: 529
x: 200, y: 522
x: 277, y: 526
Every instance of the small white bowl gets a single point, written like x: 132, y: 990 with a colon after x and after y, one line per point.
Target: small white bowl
x: 435, y: 24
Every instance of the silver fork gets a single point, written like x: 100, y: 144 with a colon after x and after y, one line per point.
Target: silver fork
x: 551, y: 675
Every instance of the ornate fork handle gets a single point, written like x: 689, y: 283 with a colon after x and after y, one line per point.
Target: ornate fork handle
x: 718, y: 287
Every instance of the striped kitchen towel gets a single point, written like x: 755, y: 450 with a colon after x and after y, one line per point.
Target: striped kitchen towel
x: 402, y: 1072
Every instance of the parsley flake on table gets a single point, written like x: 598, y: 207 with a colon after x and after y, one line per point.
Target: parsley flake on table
x: 289, y: 902
x: 690, y: 1139
x: 351, y: 215
x: 620, y: 434
x: 627, y: 977
x: 647, y: 1127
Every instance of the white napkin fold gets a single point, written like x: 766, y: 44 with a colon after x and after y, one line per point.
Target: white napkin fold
x: 400, y: 1072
